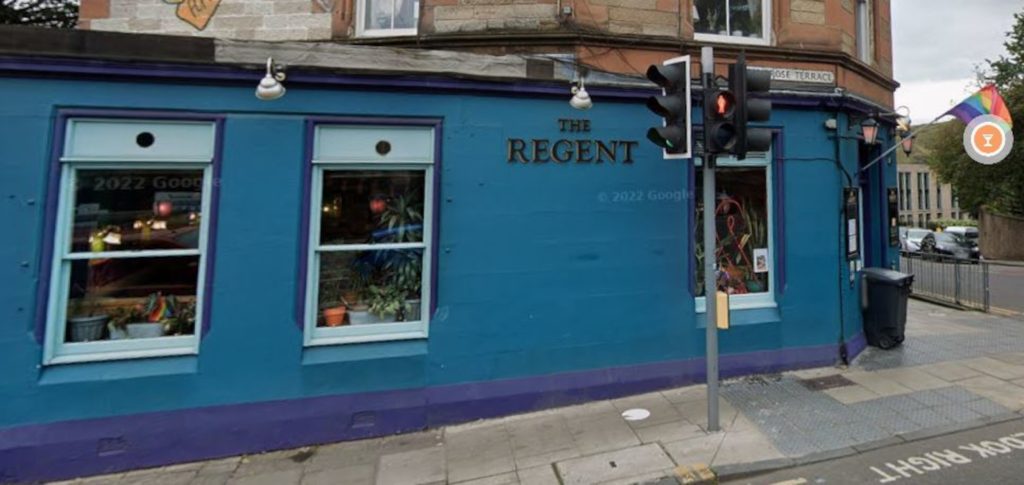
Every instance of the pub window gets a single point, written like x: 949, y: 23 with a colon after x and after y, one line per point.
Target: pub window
x: 129, y: 252
x: 379, y: 18
x: 370, y: 234
x: 744, y: 225
x: 736, y: 21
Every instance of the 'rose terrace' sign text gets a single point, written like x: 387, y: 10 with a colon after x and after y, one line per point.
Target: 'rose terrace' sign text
x: 575, y: 151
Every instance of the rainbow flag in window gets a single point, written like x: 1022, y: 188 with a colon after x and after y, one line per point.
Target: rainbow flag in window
x: 984, y: 102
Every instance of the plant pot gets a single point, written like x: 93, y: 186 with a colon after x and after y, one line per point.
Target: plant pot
x: 116, y: 333
x: 359, y: 317
x: 87, y: 329
x: 383, y: 318
x: 145, y: 330
x: 412, y: 310
x: 334, y: 316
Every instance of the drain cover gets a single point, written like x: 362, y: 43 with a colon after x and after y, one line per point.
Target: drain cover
x: 827, y: 382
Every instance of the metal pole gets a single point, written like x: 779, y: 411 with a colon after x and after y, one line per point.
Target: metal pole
x: 707, y: 62
x: 897, y: 145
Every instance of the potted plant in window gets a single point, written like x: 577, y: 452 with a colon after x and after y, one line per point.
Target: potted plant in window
x: 184, y: 320
x: 333, y: 306
x: 157, y: 310
x: 87, y: 319
x: 408, y: 278
x: 118, y: 326
x: 385, y: 302
x: 355, y: 297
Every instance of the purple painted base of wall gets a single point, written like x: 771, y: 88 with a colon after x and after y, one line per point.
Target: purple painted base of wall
x: 106, y: 445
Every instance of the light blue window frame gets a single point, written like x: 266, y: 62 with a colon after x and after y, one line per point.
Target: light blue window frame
x: 754, y: 300
x: 98, y: 144
x: 339, y: 148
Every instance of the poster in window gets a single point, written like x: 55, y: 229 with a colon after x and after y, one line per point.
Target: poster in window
x: 894, y: 226
x: 852, y: 216
x: 761, y: 260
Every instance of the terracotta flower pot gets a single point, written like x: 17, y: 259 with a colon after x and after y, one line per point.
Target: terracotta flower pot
x: 335, y: 316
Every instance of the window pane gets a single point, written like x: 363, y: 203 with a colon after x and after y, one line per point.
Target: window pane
x: 405, y: 17
x: 111, y: 299
x: 365, y: 287
x: 379, y: 14
x: 741, y: 217
x: 709, y: 17
x: 372, y: 207
x: 136, y: 209
x: 745, y: 18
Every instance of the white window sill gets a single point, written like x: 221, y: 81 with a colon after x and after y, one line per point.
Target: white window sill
x: 122, y: 355
x: 731, y: 39
x: 739, y: 303
x: 341, y: 339
x: 387, y: 33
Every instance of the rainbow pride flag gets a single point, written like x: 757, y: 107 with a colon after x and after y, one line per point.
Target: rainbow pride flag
x: 984, y: 102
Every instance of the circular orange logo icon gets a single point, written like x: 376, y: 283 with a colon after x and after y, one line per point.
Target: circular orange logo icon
x: 988, y: 139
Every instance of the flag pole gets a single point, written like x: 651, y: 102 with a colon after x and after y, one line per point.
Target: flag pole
x: 912, y: 134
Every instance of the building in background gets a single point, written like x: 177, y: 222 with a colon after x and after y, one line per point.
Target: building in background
x: 922, y: 197
x: 409, y: 237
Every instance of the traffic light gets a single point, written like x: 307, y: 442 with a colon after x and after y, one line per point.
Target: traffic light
x: 743, y: 82
x: 673, y: 105
x: 719, y: 122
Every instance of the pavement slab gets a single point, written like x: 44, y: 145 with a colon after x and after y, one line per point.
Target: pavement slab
x: 633, y: 463
x: 479, y: 451
x: 745, y: 446
x: 423, y: 466
x: 601, y: 432
x: 280, y: 477
x: 694, y: 450
x: 877, y: 384
x: 352, y: 475
x: 851, y: 394
x: 503, y: 479
x: 538, y: 475
x: 1002, y: 392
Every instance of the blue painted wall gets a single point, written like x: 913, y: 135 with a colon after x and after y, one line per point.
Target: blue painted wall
x: 537, y: 273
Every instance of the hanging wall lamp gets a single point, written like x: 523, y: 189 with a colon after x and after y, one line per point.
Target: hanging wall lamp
x: 270, y: 87
x: 869, y: 129
x: 580, y: 98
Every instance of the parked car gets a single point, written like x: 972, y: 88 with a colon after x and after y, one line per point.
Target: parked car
x: 949, y: 244
x: 970, y: 233
x: 911, y: 242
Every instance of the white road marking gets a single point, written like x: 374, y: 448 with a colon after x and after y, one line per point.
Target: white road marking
x: 942, y: 459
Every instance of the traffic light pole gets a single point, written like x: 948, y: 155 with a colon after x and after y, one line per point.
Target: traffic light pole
x: 707, y: 63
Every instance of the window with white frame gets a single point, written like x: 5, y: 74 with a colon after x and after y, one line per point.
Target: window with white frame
x: 744, y: 225
x: 866, y: 30
x: 130, y: 240
x: 388, y: 17
x: 736, y: 21
x: 370, y: 234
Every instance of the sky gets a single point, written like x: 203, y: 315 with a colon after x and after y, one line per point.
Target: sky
x: 938, y: 43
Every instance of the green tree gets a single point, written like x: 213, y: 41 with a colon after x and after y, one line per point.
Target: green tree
x: 61, y: 14
x: 999, y: 187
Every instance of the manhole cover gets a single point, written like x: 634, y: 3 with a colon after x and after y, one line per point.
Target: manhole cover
x: 827, y: 382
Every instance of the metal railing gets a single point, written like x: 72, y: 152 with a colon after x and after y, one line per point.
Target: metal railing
x: 947, y: 279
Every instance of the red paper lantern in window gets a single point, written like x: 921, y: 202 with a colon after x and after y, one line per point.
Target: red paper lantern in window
x: 378, y: 204
x: 163, y: 208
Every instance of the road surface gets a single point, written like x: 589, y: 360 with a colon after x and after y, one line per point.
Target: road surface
x: 994, y: 454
